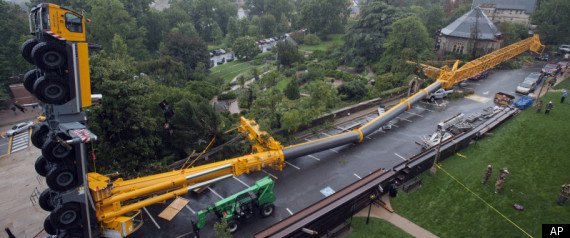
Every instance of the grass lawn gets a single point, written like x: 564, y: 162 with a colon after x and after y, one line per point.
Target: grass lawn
x: 563, y: 85
x: 230, y: 70
x: 375, y: 228
x: 534, y: 148
x: 324, y: 44
x: 281, y: 85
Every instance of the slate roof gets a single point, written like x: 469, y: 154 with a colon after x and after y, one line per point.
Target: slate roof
x: 527, y: 5
x: 462, y: 27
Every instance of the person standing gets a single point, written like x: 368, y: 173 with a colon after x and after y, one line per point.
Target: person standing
x: 487, y: 174
x: 13, y: 109
x: 564, y: 95
x: 538, y: 106
x: 563, y: 194
x: 548, y: 107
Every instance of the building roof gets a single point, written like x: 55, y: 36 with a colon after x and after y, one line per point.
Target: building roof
x: 463, y: 26
x: 527, y: 5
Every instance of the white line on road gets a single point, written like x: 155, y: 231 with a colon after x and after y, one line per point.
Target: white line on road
x: 394, y: 125
x: 185, y: 234
x: 404, y: 119
x: 292, y: 165
x: 415, y: 114
x: 4, y: 144
x: 427, y: 109
x: 307, y: 139
x: 336, y: 151
x: 357, y: 176
x: 212, y: 190
x: 401, y: 157
x: 289, y: 211
x: 314, y: 157
x: 193, y: 212
x: 325, y: 134
x: 369, y: 137
x: 273, y: 176
x: 151, y: 218
x: 239, y: 180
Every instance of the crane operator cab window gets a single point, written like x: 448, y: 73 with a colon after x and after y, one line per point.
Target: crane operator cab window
x: 73, y: 23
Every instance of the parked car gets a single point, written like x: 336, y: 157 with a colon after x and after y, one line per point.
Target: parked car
x: 211, y: 54
x: 482, y: 75
x: 20, y: 127
x: 230, y: 58
x: 268, y: 48
x: 439, y: 94
x: 222, y: 51
x: 550, y: 69
x: 221, y: 61
x: 543, y: 57
x: 535, y: 77
x: 563, y: 49
x: 526, y: 87
x: 564, y: 64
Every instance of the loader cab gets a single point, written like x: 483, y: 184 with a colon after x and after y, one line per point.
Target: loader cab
x: 245, y: 205
x: 51, y: 22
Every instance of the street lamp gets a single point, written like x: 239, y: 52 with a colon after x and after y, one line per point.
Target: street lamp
x: 372, y: 197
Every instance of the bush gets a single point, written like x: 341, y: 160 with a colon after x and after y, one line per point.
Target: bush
x: 312, y: 39
x: 227, y: 96
x: 297, y: 36
x: 289, y: 72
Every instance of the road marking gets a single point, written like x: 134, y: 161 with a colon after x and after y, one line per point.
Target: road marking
x: 239, y: 180
x: 404, y: 119
x: 289, y: 211
x: 369, y: 137
x: 193, y: 212
x: 273, y: 176
x: 291, y: 165
x: 3, y: 144
x: 151, y: 218
x: 212, y: 190
x: 411, y: 113
x: 307, y: 139
x: 394, y: 125
x: 369, y: 118
x: 401, y: 157
x: 325, y: 134
x: 486, y: 92
x: 357, y: 176
x: 314, y: 157
x: 185, y: 234
x: 336, y: 151
x: 477, y: 98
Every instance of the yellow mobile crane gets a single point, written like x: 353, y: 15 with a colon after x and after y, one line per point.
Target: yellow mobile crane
x: 116, y: 203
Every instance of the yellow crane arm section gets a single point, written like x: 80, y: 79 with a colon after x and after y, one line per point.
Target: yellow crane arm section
x: 450, y: 77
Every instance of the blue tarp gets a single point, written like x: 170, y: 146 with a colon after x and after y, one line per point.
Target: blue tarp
x: 524, y: 102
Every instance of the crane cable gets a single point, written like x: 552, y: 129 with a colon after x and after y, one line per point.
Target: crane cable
x: 204, y: 151
x: 486, y: 203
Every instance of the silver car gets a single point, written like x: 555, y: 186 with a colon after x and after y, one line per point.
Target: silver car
x: 19, y: 128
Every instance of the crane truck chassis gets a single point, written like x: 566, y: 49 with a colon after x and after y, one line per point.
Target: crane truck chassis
x: 116, y: 204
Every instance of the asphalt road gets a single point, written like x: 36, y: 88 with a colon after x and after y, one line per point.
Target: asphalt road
x: 301, y: 181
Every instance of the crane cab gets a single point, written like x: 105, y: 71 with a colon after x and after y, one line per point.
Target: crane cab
x: 123, y: 225
x: 52, y: 22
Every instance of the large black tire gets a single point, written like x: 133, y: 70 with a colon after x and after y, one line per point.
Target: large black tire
x: 49, y: 55
x: 39, y: 134
x: 62, y: 177
x: 27, y: 49
x: 46, y: 200
x: 48, y: 227
x: 267, y: 209
x: 55, y: 152
x: 42, y: 166
x: 66, y: 216
x: 52, y: 89
x: 233, y: 225
x: 30, y: 79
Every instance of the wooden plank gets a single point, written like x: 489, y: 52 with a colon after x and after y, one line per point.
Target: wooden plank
x: 173, y: 209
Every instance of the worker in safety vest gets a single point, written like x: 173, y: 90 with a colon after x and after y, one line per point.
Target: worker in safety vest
x: 487, y: 174
x: 501, y: 179
x: 563, y: 194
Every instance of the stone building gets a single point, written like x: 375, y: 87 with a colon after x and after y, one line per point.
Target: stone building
x: 473, y: 28
x: 517, y: 11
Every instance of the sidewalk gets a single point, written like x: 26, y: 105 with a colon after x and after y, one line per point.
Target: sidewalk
x: 8, y: 119
x: 399, y: 221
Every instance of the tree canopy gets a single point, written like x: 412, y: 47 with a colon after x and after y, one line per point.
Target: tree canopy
x: 552, y: 18
x: 324, y: 16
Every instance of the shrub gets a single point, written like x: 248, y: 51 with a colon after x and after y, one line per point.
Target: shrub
x: 227, y: 96
x: 312, y: 39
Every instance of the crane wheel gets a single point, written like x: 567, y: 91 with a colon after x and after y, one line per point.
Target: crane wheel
x: 42, y: 166
x: 51, y: 89
x: 62, y: 177
x: 54, y: 151
x: 232, y: 225
x: 267, y: 209
x: 46, y: 200
x: 39, y: 134
x: 66, y: 216
x: 48, y: 227
x: 27, y: 47
x: 49, y: 55
x: 30, y: 78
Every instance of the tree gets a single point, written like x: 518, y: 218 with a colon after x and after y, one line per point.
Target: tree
x: 233, y: 30
x: 187, y: 29
x: 323, y: 95
x: 287, y: 53
x: 312, y: 39
x: 221, y: 229
x: 324, y: 16
x: 110, y: 18
x: 409, y: 40
x: 267, y: 25
x: 433, y: 18
x: 292, y: 89
x: 14, y: 27
x: 291, y: 120
x: 552, y: 18
x: 283, y: 25
x: 246, y: 47
x: 189, y: 50
x: 165, y: 70
x: 366, y: 36
x: 513, y: 32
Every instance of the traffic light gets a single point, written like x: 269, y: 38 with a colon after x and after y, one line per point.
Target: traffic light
x: 61, y: 83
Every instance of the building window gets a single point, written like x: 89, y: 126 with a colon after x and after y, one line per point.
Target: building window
x: 458, y: 48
